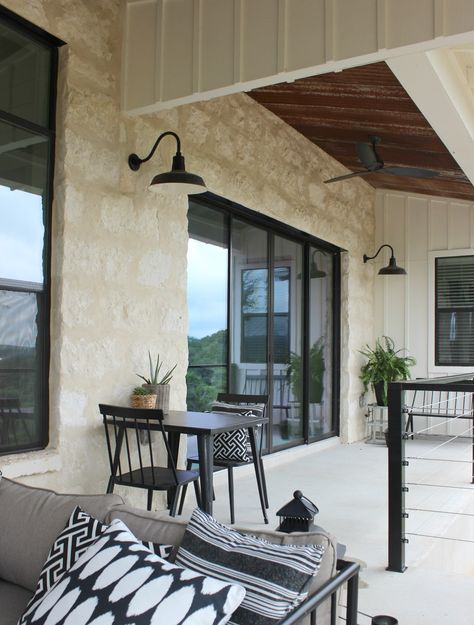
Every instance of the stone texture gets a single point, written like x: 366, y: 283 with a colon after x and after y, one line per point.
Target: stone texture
x: 119, y: 251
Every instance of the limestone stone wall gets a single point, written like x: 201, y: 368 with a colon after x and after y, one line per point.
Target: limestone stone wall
x: 119, y: 252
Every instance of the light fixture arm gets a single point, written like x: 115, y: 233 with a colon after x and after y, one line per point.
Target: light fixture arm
x: 134, y: 161
x: 366, y: 258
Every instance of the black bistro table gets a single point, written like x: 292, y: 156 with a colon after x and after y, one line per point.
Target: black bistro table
x: 205, y: 425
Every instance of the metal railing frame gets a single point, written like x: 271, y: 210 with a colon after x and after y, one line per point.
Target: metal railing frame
x: 396, y: 456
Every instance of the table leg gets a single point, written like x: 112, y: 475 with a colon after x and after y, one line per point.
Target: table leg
x: 173, y: 440
x: 206, y: 465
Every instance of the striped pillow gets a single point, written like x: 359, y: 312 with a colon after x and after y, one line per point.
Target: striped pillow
x: 276, y: 577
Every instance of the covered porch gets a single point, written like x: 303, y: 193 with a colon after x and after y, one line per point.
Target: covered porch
x: 348, y: 483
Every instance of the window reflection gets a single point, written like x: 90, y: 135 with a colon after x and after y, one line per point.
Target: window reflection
x: 18, y: 344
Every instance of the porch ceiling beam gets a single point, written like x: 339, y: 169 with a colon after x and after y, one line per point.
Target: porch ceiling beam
x: 435, y: 83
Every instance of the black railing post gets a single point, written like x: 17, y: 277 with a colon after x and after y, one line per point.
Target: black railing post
x: 396, y: 480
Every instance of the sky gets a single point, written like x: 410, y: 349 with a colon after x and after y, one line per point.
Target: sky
x: 207, y: 288
x: 21, y: 235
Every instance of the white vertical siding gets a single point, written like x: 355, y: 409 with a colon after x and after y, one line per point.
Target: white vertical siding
x: 181, y: 51
x: 416, y: 226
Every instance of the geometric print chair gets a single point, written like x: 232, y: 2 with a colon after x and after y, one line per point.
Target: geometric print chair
x: 233, y: 449
x: 133, y: 451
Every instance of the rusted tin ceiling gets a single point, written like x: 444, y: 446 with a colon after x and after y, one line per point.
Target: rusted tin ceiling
x: 337, y: 110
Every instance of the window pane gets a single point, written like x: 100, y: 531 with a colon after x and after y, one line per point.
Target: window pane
x: 203, y: 384
x: 249, y: 309
x: 320, y: 344
x: 207, y: 305
x: 23, y: 175
x: 19, y: 383
x: 455, y: 311
x: 24, y: 76
x: 287, y: 320
x: 254, y: 296
x: 455, y: 338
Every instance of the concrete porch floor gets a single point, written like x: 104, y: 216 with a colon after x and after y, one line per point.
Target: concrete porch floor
x: 348, y: 483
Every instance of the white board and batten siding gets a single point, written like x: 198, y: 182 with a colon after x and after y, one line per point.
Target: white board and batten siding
x: 419, y: 228
x: 181, y: 51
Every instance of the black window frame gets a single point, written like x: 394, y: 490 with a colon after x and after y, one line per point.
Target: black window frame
x: 233, y: 210
x: 32, y: 32
x: 439, y: 362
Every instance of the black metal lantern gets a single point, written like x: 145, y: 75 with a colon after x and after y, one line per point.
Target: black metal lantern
x: 297, y: 515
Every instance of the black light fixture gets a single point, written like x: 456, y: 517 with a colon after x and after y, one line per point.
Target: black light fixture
x: 392, y: 269
x: 178, y: 180
x: 314, y: 271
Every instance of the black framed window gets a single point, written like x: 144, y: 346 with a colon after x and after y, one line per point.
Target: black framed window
x: 28, y: 75
x: 263, y: 304
x: 454, y: 311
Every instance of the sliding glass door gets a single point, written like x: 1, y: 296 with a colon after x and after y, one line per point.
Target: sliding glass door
x: 262, y: 320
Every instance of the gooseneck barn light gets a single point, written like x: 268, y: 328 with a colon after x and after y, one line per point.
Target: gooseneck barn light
x: 178, y: 180
x: 392, y: 269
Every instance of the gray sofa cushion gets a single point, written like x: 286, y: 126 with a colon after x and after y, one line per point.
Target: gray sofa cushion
x: 30, y: 520
x: 13, y: 600
x: 152, y: 526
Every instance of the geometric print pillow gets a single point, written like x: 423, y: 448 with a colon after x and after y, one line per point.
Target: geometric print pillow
x: 276, y: 577
x: 80, y: 533
x: 235, y: 446
x: 118, y: 581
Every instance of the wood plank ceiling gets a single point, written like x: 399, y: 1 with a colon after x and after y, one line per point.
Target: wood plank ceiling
x: 337, y: 110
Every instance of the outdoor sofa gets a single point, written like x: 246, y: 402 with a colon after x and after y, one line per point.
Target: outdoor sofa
x: 32, y: 518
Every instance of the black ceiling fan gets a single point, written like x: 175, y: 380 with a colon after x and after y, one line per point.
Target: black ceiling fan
x: 370, y: 159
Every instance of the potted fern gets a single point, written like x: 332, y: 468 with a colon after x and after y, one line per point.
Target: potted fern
x: 384, y: 364
x: 158, y: 383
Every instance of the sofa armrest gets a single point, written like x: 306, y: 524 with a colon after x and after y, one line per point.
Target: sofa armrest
x: 347, y: 572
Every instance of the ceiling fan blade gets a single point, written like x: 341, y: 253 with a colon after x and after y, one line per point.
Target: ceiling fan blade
x: 368, y: 157
x: 347, y: 176
x: 414, y: 172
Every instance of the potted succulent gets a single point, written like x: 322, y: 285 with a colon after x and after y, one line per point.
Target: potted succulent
x: 142, y: 398
x: 158, y: 383
x: 384, y: 364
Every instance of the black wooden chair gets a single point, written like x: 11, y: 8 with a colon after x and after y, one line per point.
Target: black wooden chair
x: 241, y: 404
x: 132, y: 453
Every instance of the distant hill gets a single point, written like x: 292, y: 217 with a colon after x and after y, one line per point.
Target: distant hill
x: 208, y: 350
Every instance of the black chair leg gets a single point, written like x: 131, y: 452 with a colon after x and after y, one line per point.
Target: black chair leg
x: 174, y: 503
x: 257, y: 465
x: 110, y: 485
x: 230, y: 482
x: 183, y: 497
x: 264, y: 483
x: 149, y: 499
x: 189, y: 465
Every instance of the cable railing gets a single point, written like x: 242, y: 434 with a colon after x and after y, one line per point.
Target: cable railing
x: 439, y: 412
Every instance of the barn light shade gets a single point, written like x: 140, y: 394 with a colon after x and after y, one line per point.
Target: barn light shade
x: 392, y: 269
x: 176, y: 181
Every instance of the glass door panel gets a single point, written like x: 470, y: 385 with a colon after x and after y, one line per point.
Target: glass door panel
x: 207, y: 306
x: 249, y: 309
x: 320, y: 411
x: 286, y: 326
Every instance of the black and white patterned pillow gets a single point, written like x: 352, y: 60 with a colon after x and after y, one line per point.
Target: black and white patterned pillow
x: 118, y: 580
x: 80, y: 533
x: 235, y: 446
x: 276, y: 577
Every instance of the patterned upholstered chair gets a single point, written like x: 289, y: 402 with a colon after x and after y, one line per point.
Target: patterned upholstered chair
x: 233, y: 449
